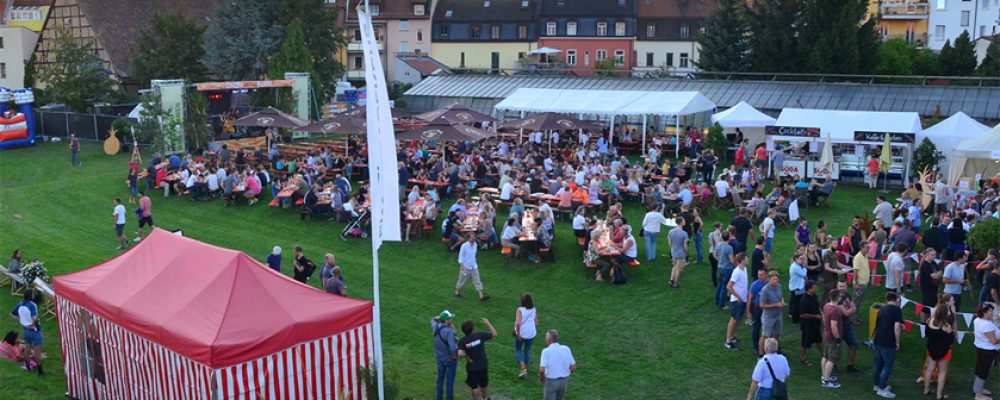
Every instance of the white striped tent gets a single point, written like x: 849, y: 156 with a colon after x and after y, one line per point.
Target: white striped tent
x: 174, y: 318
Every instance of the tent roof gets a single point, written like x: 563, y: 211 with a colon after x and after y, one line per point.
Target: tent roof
x: 742, y: 115
x: 979, y: 147
x: 841, y: 125
x: 605, y: 102
x: 213, y: 305
x: 956, y: 128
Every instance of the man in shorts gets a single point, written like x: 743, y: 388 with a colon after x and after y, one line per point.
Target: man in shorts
x: 833, y: 319
x: 850, y: 312
x: 119, y: 218
x: 772, y: 302
x: 678, y: 240
x: 767, y: 232
x: 473, y: 347
x: 753, y: 306
x: 737, y: 288
x: 26, y: 314
x: 145, y: 216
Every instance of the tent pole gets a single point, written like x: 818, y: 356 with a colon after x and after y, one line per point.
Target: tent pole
x: 611, y: 133
x: 677, y: 135
x: 520, y: 135
x: 643, y: 134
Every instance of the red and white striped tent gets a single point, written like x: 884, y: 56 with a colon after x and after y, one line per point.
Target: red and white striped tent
x: 174, y: 318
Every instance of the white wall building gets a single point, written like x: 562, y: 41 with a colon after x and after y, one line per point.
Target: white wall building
x: 949, y: 18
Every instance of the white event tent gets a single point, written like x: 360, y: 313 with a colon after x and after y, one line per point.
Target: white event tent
x: 948, y: 133
x: 608, y: 103
x: 979, y: 155
x: 744, y: 116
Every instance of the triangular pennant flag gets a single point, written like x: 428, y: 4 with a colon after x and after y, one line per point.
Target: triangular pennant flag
x: 906, y: 279
x: 878, y: 280
x: 923, y: 330
x: 903, y: 301
x: 908, y: 326
x: 959, y: 335
x: 916, y: 275
x: 850, y: 277
x: 919, y: 308
x: 968, y: 318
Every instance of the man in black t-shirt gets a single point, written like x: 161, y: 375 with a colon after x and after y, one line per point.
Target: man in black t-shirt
x: 473, y: 347
x: 811, y: 321
x: 743, y: 228
x: 757, y: 259
x: 304, y: 268
x: 888, y: 326
x: 992, y: 290
x: 930, y: 275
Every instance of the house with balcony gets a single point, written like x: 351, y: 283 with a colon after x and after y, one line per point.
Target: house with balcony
x: 484, y: 35
x: 949, y: 18
x: 20, y: 23
x: 902, y: 19
x: 354, y: 63
x: 666, y: 33
x: 589, y: 33
x: 401, y: 27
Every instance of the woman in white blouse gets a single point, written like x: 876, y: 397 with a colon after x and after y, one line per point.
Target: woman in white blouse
x: 987, y: 347
x: 525, y: 329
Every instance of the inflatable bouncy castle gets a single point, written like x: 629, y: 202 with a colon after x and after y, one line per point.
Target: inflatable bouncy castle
x: 17, y: 128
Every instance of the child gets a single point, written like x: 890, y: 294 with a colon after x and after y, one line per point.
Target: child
x: 802, y: 232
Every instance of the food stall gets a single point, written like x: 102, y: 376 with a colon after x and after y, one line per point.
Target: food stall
x: 854, y: 135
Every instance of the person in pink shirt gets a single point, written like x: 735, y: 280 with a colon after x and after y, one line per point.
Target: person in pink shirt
x: 145, y: 216
x: 252, y: 187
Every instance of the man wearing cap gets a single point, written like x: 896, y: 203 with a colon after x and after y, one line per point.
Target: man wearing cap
x: 446, y: 352
x: 274, y: 259
x: 555, y: 367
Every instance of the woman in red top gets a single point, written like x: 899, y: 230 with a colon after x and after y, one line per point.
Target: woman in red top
x: 873, y: 168
x: 760, y: 157
x: 12, y: 349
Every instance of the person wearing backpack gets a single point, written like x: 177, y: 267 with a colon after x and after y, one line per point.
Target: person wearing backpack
x: 446, y: 354
x: 770, y: 374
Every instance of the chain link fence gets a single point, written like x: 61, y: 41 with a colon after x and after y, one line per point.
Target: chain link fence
x: 92, y: 127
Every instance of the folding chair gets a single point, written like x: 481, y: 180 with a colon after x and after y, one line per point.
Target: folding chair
x: 50, y: 294
x: 17, y: 284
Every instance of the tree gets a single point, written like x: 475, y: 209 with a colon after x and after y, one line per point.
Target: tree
x: 717, y: 140
x: 171, y: 48
x: 925, y: 157
x: 991, y: 63
x: 607, y: 68
x: 773, y: 47
x: 832, y: 41
x: 244, y: 34
x: 29, y: 72
x: 323, y: 36
x: 926, y: 63
x: 945, y: 58
x: 196, y: 127
x: 896, y: 57
x: 724, y: 44
x: 293, y: 56
x: 964, y: 63
x: 77, y: 77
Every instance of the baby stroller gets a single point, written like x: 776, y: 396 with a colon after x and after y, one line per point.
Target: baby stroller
x: 355, y: 226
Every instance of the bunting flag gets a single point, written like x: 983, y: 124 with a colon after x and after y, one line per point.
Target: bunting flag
x: 959, y: 335
x: 906, y: 279
x: 908, y: 326
x: 968, y: 318
x: 919, y: 307
x: 878, y: 280
x: 903, y: 301
x: 850, y: 277
x: 923, y: 330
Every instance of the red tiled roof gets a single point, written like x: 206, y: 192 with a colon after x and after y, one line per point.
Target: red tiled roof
x: 423, y: 64
x: 676, y: 8
x: 33, y: 3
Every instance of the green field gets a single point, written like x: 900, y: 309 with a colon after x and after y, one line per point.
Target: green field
x: 641, y: 340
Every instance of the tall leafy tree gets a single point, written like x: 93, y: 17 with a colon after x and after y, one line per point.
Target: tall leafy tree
x: 724, y: 43
x: 832, y: 40
x: 991, y: 63
x: 77, y: 77
x: 926, y: 63
x: 896, y: 57
x: 773, y: 46
x: 964, y: 57
x: 241, y: 38
x: 171, y: 48
x: 294, y: 55
x: 946, y: 58
x: 324, y: 38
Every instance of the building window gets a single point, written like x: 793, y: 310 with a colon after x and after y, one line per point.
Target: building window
x: 447, y: 14
x: 486, y: 4
x: 649, y: 59
x: 602, y: 29
x: 357, y: 35
x: 419, y: 9
x: 684, y: 60
x: 670, y: 59
x: 650, y: 30
x: 443, y: 30
x: 620, y: 28
x: 330, y: 2
x: 939, y: 33
x: 586, y: 58
x: 965, y: 18
x: 420, y: 35
x: 374, y: 9
x: 495, y: 32
x: 982, y: 32
x: 461, y: 61
x: 1, y: 42
x: 524, y: 4
x: 685, y: 31
x: 404, y: 25
x: 474, y: 32
x: 571, y: 28
x: 520, y: 55
x: 358, y: 63
x: 550, y: 28
x: 601, y: 55
x: 619, y: 57
x: 941, y: 4
x: 522, y: 31
x: 404, y: 47
x: 571, y: 57
x: 3, y: 70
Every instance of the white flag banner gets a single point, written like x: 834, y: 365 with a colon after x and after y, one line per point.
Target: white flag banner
x: 968, y: 318
x: 923, y: 330
x: 903, y: 302
x: 382, y: 167
x: 959, y: 335
x: 793, y: 210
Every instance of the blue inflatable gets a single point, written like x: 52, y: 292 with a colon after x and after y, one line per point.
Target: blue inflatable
x: 17, y: 129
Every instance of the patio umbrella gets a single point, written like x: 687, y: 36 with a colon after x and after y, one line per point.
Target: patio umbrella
x: 361, y: 111
x: 456, y: 114
x: 545, y: 51
x: 442, y: 129
x: 270, y: 117
x: 550, y: 122
x: 826, y: 159
x: 339, y: 124
x: 885, y: 161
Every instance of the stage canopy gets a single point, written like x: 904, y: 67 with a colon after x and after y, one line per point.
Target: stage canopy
x: 948, y: 133
x: 605, y: 102
x: 841, y: 125
x: 980, y: 155
x: 742, y: 115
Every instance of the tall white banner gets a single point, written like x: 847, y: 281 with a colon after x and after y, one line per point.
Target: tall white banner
x: 381, y: 142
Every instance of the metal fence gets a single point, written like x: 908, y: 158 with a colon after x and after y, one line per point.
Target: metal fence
x: 86, y: 126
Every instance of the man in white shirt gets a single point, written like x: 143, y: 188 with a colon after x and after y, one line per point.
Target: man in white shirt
x: 722, y: 188
x: 221, y: 173
x: 119, y: 218
x: 767, y: 231
x: 468, y: 268
x: 737, y: 288
x: 584, y: 138
x: 651, y: 229
x: 506, y: 190
x: 883, y: 211
x: 556, y: 365
x: 213, y: 183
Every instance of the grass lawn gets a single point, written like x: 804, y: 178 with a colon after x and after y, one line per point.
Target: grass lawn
x: 641, y: 340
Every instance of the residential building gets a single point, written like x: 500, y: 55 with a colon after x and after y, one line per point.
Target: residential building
x: 30, y: 14
x: 666, y: 34
x: 114, y: 27
x: 949, y: 18
x: 17, y: 40
x: 414, y: 67
x: 401, y: 26
x: 902, y: 19
x: 484, y: 34
x: 589, y: 32
x: 981, y: 45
